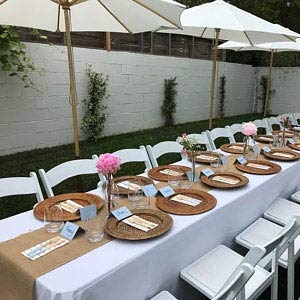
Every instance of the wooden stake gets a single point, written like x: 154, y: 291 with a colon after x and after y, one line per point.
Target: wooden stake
x: 107, y: 41
x: 268, y: 84
x: 72, y: 79
x: 213, y: 77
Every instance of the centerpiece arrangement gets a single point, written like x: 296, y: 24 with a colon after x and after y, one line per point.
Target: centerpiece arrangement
x: 191, y: 144
x: 249, y: 130
x: 286, y: 124
x: 107, y: 165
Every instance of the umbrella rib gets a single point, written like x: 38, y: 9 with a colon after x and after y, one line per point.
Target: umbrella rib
x: 203, y: 32
x: 2, y: 1
x: 156, y: 13
x: 119, y: 21
x: 289, y: 38
x: 248, y: 38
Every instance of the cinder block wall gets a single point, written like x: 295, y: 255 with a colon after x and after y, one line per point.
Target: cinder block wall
x: 30, y: 120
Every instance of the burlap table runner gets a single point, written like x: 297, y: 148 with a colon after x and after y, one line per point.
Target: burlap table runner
x: 18, y: 273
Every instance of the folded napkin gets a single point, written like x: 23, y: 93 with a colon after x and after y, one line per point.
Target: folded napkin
x: 257, y: 166
x: 206, y: 157
x: 129, y: 185
x: 140, y: 223
x: 236, y: 147
x: 171, y: 172
x: 262, y: 138
x: 69, y: 206
x: 226, y: 180
x: 186, y: 200
x: 285, y: 155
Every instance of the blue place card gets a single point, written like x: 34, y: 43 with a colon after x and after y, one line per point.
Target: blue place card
x: 291, y: 141
x: 241, y: 160
x: 266, y: 149
x: 207, y: 172
x: 256, y: 149
x: 88, y: 212
x: 167, y: 191
x: 224, y: 160
x: 69, y: 230
x: 252, y: 142
x: 121, y: 213
x: 189, y: 175
x: 149, y: 190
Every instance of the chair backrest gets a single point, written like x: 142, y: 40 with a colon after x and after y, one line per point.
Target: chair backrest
x: 162, y: 148
x: 21, y: 186
x: 235, y: 288
x: 274, y: 121
x: 296, y: 117
x: 235, y: 128
x: 134, y: 155
x: 219, y: 132
x: 66, y: 170
x: 263, y: 124
x: 202, y: 139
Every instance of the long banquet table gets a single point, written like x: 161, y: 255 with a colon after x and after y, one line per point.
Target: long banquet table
x: 138, y: 270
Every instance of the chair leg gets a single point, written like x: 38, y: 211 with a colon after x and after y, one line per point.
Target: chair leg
x: 274, y: 286
x: 241, y: 295
x: 291, y: 273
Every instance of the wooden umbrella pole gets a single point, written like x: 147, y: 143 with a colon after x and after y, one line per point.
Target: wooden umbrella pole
x: 213, y: 78
x: 72, y: 78
x: 268, y: 84
x: 107, y: 41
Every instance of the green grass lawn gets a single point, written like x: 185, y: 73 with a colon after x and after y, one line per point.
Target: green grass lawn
x: 21, y: 164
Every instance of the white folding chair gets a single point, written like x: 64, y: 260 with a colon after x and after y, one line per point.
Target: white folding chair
x: 21, y: 186
x: 135, y: 155
x: 296, y: 117
x: 263, y: 124
x: 164, y: 295
x: 274, y: 121
x: 67, y: 170
x: 162, y: 148
x: 296, y: 197
x: 219, y: 132
x: 202, y: 138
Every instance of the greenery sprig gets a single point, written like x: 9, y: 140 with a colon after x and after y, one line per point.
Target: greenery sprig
x: 169, y: 104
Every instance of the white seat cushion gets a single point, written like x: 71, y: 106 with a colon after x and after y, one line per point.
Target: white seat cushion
x: 281, y: 210
x: 164, y: 295
x: 209, y: 273
x: 296, y: 197
x: 261, y: 232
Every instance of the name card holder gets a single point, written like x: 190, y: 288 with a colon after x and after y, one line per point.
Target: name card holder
x: 207, y: 172
x: 122, y: 213
x: 149, y: 190
x: 167, y: 191
x: 240, y: 160
x: 266, y: 149
x: 69, y: 230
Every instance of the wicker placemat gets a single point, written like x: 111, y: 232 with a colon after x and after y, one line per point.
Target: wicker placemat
x: 134, y: 179
x: 295, y: 146
x: 271, y: 155
x: 205, y: 153
x: 227, y: 148
x: 83, y: 199
x: 156, y: 175
x: 288, y: 133
x: 222, y: 185
x: 264, y: 139
x: 177, y: 208
x: 274, y: 168
x: 121, y: 230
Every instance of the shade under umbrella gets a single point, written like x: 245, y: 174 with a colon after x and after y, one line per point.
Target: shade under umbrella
x: 220, y: 20
x: 131, y: 16
x: 270, y: 47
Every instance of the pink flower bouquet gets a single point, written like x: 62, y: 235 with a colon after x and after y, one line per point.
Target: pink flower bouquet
x: 249, y: 129
x: 108, y: 164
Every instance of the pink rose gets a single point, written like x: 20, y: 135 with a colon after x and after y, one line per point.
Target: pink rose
x: 249, y: 129
x: 108, y: 164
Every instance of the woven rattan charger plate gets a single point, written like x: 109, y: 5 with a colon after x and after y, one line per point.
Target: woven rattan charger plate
x: 134, y: 179
x: 264, y: 139
x: 271, y: 155
x: 222, y: 185
x: 288, y: 133
x: 120, y: 230
x: 227, y: 148
x: 156, y: 175
x: 211, y: 154
x: 274, y: 168
x: 173, y: 207
x: 83, y: 199
x: 295, y: 146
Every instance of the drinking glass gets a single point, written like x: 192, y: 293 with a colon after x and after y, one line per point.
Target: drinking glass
x: 173, y: 180
x: 215, y: 164
x: 135, y: 194
x: 94, y: 228
x: 115, y: 196
x: 144, y: 202
x: 185, y: 184
x: 53, y: 219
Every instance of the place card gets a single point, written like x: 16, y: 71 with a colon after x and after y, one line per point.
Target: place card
x: 224, y: 160
x: 240, y: 160
x: 88, y: 212
x: 129, y: 185
x: 207, y: 172
x: 256, y: 149
x: 258, y: 166
x: 69, y: 206
x: 149, y: 190
x: 206, y: 157
x: 140, y: 223
x: 171, y: 172
x: 44, y: 248
x: 266, y: 149
x: 285, y: 155
x: 121, y: 213
x: 226, y: 180
x: 252, y: 143
x: 186, y: 200
x: 167, y: 191
x: 291, y: 141
x: 69, y: 230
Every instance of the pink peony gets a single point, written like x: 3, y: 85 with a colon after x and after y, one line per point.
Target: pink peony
x: 249, y: 129
x: 108, y: 164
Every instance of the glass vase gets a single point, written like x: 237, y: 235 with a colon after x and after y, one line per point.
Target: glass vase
x: 283, y: 141
x: 106, y: 188
x: 194, y: 175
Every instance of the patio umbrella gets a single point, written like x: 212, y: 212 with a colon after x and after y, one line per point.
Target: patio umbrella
x: 131, y: 16
x: 271, y: 47
x: 219, y: 20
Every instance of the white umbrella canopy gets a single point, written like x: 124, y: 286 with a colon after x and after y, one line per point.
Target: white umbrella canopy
x: 131, y: 16
x: 270, y: 47
x: 220, y: 20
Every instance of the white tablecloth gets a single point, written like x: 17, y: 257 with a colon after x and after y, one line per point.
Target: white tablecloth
x: 139, y: 270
